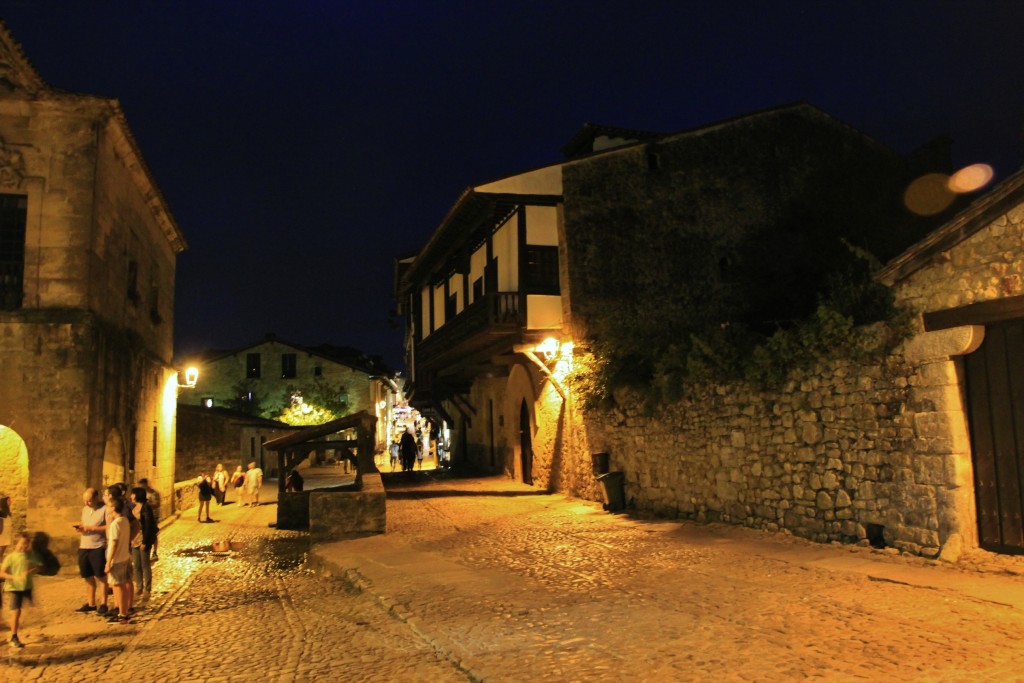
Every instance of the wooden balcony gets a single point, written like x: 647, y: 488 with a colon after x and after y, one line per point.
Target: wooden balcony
x: 487, y: 322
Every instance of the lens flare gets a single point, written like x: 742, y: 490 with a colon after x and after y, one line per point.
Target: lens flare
x: 971, y: 178
x: 929, y: 194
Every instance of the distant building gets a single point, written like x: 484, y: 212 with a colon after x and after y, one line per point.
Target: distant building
x: 87, y: 265
x: 268, y: 377
x: 211, y: 436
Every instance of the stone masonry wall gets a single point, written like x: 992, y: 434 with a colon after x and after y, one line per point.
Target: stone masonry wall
x: 846, y: 453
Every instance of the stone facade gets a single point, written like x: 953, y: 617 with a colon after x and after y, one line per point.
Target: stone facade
x: 211, y: 436
x: 364, y: 385
x: 86, y: 320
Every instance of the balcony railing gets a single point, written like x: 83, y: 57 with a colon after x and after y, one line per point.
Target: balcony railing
x: 496, y: 314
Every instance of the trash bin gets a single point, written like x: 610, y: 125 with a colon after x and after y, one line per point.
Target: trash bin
x: 612, y: 487
x: 599, y: 461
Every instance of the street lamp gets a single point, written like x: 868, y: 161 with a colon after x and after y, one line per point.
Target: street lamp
x: 191, y: 377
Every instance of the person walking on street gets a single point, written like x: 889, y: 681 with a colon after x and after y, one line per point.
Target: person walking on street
x: 253, y: 484
x: 408, y: 449
x: 153, y: 500
x: 238, y: 481
x: 91, y: 552
x: 205, y: 495
x: 16, y: 571
x: 143, y: 543
x: 220, y: 483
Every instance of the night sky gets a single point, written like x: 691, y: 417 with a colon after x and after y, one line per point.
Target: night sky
x: 303, y: 145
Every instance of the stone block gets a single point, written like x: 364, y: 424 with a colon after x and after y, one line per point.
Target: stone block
x: 344, y: 514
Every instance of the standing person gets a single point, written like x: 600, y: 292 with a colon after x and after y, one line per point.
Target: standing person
x: 253, y: 484
x: 220, y: 483
x: 16, y: 571
x: 118, y: 566
x: 408, y: 449
x: 238, y: 481
x: 205, y: 495
x: 153, y: 500
x: 393, y: 450
x: 120, y: 490
x: 143, y: 543
x: 92, y: 552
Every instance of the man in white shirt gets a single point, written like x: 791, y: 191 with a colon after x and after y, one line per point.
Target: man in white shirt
x: 91, y: 552
x: 253, y: 484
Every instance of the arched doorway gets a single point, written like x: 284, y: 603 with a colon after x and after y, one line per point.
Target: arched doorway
x: 113, y: 459
x: 525, y: 443
x: 14, y: 466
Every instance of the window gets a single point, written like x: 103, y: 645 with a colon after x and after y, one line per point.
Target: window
x: 287, y: 365
x: 540, y: 274
x: 154, y: 448
x: 133, y: 282
x: 13, y: 212
x: 207, y: 401
x: 478, y: 289
x: 318, y: 371
x: 451, y: 306
x: 252, y: 365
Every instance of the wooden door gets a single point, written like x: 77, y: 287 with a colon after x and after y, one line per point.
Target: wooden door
x: 995, y: 399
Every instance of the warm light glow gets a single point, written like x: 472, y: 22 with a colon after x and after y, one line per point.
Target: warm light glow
x: 191, y: 376
x: 971, y: 178
x: 929, y: 194
x: 169, y: 400
x: 548, y: 348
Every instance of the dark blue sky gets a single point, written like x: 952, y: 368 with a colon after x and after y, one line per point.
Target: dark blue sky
x: 302, y: 145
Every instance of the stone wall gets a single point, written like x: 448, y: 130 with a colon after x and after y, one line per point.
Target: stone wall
x: 336, y: 515
x: 850, y: 452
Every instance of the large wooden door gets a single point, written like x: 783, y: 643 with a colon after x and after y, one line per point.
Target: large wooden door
x: 995, y: 398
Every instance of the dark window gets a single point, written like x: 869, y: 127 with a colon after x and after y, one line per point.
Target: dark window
x: 451, y: 307
x: 133, y: 282
x: 491, y: 276
x: 154, y: 450
x: 478, y: 289
x: 13, y: 210
x: 541, y: 270
x: 287, y: 365
x: 318, y: 371
x: 252, y: 365
x: 154, y: 296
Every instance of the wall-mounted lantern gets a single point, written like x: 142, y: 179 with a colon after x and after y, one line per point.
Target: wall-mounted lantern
x: 191, y: 377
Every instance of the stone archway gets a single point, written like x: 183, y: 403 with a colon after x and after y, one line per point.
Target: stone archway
x: 113, y: 459
x: 14, y: 474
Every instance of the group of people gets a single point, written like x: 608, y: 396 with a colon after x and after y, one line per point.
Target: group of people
x: 216, y: 488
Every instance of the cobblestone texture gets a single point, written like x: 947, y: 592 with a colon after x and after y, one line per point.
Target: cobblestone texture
x: 255, y: 615
x: 488, y: 580
x: 534, y: 587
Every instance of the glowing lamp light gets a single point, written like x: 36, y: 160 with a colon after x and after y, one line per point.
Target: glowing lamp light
x: 548, y: 348
x: 191, y: 377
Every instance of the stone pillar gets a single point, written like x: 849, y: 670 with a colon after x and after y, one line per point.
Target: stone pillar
x: 942, y: 448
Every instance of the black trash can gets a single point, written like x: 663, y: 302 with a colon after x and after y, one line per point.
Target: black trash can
x: 599, y: 461
x: 613, y: 489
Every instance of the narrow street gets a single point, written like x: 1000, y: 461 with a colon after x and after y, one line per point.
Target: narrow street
x: 490, y: 580
x: 256, y: 615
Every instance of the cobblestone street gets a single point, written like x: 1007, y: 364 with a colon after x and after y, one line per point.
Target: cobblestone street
x: 257, y: 614
x: 486, y: 579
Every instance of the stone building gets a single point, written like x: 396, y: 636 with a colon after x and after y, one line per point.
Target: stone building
x: 211, y: 436
x: 534, y: 256
x: 267, y: 377
x: 909, y: 446
x: 87, y: 265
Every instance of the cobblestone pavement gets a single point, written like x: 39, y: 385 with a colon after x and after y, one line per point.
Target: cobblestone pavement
x: 489, y: 580
x: 253, y: 615
x: 514, y: 586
